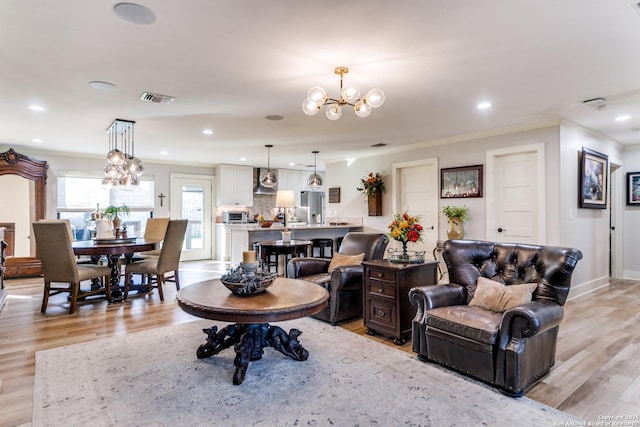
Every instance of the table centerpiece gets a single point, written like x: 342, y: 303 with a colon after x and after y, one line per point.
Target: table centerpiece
x: 405, y: 228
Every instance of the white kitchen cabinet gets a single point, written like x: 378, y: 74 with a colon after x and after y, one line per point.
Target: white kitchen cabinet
x: 235, y: 185
x: 289, y: 179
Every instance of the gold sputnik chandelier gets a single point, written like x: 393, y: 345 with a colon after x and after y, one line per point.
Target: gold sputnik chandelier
x: 317, y: 98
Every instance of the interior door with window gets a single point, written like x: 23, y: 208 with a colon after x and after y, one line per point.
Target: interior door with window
x: 191, y: 199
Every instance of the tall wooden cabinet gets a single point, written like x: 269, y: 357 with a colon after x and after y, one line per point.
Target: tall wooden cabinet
x: 3, y: 245
x: 387, y: 309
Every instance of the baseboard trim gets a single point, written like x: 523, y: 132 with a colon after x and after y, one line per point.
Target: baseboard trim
x: 588, y: 287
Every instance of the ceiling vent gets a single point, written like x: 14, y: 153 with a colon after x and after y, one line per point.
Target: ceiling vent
x: 595, y: 104
x: 158, y: 99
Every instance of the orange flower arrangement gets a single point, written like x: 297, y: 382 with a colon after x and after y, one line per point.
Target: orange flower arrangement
x: 405, y: 228
x: 372, y: 183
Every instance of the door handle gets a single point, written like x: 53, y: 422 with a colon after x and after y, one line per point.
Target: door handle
x: 500, y: 229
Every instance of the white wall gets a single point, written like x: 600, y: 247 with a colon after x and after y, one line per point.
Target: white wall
x: 631, y: 219
x: 587, y: 230
x: 464, y: 153
x: 60, y: 162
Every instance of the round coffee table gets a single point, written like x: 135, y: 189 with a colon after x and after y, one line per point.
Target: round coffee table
x: 285, y: 299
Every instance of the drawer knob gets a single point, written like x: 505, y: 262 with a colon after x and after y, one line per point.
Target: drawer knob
x: 380, y: 313
x: 379, y: 275
x: 381, y: 291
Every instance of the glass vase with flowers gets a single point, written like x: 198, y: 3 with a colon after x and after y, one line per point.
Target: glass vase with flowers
x: 405, y: 228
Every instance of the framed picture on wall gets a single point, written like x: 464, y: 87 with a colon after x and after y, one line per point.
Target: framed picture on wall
x: 633, y: 188
x: 461, y: 182
x: 594, y: 169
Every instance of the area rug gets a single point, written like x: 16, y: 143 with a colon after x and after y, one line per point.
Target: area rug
x: 153, y: 378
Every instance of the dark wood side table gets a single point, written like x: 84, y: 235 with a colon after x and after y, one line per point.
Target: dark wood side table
x: 387, y: 309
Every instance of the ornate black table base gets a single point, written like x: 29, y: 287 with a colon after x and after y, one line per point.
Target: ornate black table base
x: 249, y: 341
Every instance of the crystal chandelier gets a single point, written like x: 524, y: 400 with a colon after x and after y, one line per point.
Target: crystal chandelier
x: 314, y: 179
x: 123, y: 168
x: 268, y: 178
x: 317, y: 98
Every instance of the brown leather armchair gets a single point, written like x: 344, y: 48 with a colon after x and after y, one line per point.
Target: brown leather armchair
x: 344, y: 283
x: 512, y: 349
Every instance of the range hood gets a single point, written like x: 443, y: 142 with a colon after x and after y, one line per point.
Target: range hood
x: 261, y: 190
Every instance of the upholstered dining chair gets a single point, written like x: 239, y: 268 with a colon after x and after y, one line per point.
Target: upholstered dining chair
x: 154, y: 230
x: 153, y: 270
x: 59, y: 265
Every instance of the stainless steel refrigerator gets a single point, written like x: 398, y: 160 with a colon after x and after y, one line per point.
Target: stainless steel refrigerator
x: 314, y: 202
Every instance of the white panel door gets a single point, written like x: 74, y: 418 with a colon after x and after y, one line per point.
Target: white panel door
x: 515, y: 195
x: 191, y: 199
x: 417, y: 193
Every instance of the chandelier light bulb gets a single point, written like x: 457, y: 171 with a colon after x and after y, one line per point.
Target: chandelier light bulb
x: 351, y: 94
x: 317, y: 94
x: 115, y: 157
x: 134, y: 165
x: 108, y: 183
x: 375, y: 98
x: 333, y: 111
x: 128, y: 182
x: 311, y: 107
x: 362, y: 109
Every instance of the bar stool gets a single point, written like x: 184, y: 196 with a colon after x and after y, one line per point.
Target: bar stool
x: 268, y: 257
x: 322, y: 245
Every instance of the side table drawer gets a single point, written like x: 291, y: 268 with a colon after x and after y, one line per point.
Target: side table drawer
x: 379, y: 274
x: 382, y: 313
x: 381, y: 289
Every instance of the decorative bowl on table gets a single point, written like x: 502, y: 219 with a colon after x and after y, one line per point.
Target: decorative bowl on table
x: 405, y: 257
x: 266, y: 224
x: 240, y: 283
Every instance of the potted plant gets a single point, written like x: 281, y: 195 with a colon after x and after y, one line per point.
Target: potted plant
x: 372, y: 187
x: 115, y: 212
x: 457, y: 216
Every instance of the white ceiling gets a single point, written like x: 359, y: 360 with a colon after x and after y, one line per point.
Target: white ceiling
x: 231, y: 63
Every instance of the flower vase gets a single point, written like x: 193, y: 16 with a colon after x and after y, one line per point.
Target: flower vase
x: 405, y: 254
x: 455, y: 229
x: 374, y: 204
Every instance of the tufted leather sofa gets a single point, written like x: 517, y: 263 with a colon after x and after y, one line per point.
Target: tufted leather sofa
x: 511, y: 350
x: 344, y: 283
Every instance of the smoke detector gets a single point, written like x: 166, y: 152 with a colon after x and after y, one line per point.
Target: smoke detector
x: 595, y: 104
x: 157, y: 98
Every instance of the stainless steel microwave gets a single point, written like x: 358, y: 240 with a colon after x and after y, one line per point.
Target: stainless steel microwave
x: 235, y: 217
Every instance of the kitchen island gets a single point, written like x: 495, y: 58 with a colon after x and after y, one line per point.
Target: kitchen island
x: 243, y: 236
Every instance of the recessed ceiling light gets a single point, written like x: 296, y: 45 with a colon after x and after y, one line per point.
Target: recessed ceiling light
x: 622, y: 118
x: 483, y: 105
x: 106, y: 86
x: 292, y: 163
x: 164, y: 153
x: 243, y: 159
x: 37, y: 140
x: 135, y: 13
x: 274, y: 117
x: 207, y: 132
x: 36, y: 108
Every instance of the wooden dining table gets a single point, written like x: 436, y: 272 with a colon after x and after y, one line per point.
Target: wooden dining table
x: 113, y: 249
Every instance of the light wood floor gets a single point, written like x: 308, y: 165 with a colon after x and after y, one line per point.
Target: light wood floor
x: 597, y: 371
